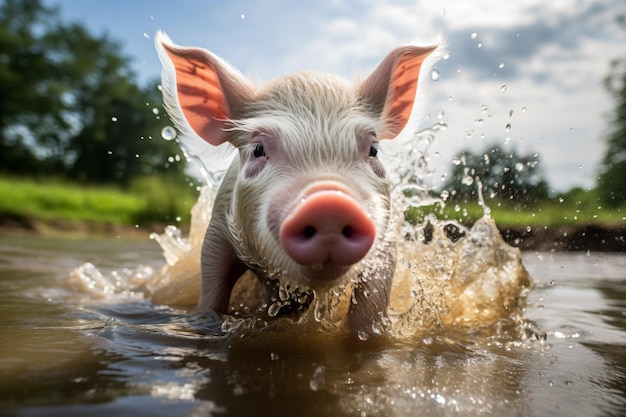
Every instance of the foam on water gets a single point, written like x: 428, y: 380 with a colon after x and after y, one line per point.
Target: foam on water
x: 469, y: 279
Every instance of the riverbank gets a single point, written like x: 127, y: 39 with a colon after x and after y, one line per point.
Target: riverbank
x: 588, y: 237
x: 11, y: 225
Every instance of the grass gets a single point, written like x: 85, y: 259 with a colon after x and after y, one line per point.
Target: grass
x: 161, y: 200
x: 149, y: 200
x: 577, y: 207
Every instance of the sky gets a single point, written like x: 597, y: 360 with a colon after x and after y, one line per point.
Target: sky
x: 526, y: 74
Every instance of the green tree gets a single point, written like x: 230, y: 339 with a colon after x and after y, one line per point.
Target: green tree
x: 70, y: 103
x: 30, y: 104
x: 612, y: 179
x: 504, y: 175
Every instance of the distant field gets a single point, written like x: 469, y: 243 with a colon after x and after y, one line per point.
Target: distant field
x: 551, y: 213
x: 575, y: 208
x: 153, y: 200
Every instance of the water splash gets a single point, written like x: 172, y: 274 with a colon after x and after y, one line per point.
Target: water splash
x: 447, y: 275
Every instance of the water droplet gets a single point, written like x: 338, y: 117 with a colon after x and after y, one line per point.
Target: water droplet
x: 474, y: 35
x: 435, y: 75
x: 479, y: 122
x: 480, y: 45
x: 168, y: 133
x: 507, y: 140
x: 501, y: 65
x: 580, y: 167
x: 145, y: 35
x: 519, y: 167
x: 317, y: 381
x: 503, y: 89
x: 440, y: 115
x: 155, y: 111
x: 456, y: 161
x: 319, y: 313
x: 273, y: 356
x: 273, y: 309
x: 483, y: 108
x: 363, y: 335
x: 524, y: 109
x: 243, y: 16
x: 109, y: 152
x: 114, y: 119
x: 507, y: 127
x: 444, y: 194
x: 510, y: 113
x: 467, y: 180
x: 136, y: 155
x: 561, y: 199
x: 446, y: 56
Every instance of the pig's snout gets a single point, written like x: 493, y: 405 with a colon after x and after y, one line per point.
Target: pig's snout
x: 328, y: 226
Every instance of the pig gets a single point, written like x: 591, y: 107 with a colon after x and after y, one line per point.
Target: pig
x: 307, y: 200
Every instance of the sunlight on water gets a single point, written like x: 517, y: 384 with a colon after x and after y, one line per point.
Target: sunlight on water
x: 447, y: 275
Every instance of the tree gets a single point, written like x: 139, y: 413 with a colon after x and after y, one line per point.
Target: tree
x: 612, y: 179
x: 504, y: 175
x: 29, y: 103
x: 70, y: 104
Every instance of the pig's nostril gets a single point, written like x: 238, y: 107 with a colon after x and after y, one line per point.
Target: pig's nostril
x: 309, y: 232
x: 347, y: 232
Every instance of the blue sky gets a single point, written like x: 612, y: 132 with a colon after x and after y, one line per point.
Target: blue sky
x: 551, y: 55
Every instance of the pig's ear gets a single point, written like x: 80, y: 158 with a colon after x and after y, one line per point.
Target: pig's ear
x: 390, y: 90
x: 208, y: 91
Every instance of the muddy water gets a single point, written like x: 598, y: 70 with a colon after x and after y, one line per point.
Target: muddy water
x: 68, y: 351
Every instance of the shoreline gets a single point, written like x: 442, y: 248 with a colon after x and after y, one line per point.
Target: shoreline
x: 584, y: 237
x: 22, y: 226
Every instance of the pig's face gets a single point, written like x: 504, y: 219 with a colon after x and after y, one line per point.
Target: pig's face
x: 308, y: 134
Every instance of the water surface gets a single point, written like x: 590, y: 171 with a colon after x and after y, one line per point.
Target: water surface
x: 66, y: 352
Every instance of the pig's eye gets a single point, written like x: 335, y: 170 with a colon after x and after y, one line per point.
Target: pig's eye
x: 258, y: 151
x: 373, y: 151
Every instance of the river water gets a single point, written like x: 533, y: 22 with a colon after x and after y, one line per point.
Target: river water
x: 69, y: 351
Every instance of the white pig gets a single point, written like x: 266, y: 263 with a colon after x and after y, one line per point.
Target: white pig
x: 307, y: 201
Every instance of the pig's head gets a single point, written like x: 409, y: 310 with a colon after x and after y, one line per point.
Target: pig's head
x: 307, y: 200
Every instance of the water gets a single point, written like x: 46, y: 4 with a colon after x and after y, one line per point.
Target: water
x: 63, y: 352
x: 475, y: 327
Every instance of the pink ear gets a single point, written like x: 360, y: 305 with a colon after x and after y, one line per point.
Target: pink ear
x: 391, y: 88
x: 209, y: 93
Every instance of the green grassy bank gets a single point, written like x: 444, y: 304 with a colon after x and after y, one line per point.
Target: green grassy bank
x: 153, y: 200
x: 574, y: 208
